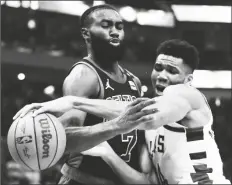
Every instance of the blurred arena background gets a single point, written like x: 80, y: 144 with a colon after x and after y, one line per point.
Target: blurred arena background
x: 40, y: 40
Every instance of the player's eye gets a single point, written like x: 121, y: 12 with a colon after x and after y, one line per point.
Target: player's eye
x: 119, y: 26
x: 172, y: 70
x: 105, y: 24
x: 158, y: 67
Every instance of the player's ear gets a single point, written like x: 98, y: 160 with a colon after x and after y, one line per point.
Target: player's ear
x: 189, y: 79
x: 85, y: 34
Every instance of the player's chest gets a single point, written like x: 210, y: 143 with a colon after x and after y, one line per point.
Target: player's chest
x: 120, y: 92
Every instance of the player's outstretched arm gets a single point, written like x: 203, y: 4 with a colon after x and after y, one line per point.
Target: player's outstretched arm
x: 173, y: 106
x: 127, y: 174
x: 108, y: 109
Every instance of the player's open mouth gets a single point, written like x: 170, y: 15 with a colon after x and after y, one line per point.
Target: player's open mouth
x: 160, y: 88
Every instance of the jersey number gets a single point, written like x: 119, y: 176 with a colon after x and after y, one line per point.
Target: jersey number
x: 159, y: 146
x: 131, y: 139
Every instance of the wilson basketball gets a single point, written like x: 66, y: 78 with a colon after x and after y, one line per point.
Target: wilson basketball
x: 36, y: 143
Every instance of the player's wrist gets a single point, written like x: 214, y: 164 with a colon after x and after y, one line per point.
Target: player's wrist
x: 108, y: 157
x: 115, y: 127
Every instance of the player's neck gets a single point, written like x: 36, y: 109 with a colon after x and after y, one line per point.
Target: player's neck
x: 114, y: 72
x: 109, y: 66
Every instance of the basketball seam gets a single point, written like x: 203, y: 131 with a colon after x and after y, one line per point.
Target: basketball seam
x: 36, y: 144
x: 56, y: 140
x: 17, y: 148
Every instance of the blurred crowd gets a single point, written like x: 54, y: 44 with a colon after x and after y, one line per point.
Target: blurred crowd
x: 16, y: 95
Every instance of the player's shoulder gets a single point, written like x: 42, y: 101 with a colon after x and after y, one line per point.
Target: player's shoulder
x: 82, y: 78
x: 82, y: 74
x: 182, y: 89
x: 187, y: 92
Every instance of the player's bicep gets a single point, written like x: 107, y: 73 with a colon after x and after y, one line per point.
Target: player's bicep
x: 81, y: 82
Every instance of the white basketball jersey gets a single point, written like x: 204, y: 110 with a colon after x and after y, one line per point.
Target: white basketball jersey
x: 185, y: 156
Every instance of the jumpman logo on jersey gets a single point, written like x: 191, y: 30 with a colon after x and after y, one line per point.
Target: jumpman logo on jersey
x: 108, y: 85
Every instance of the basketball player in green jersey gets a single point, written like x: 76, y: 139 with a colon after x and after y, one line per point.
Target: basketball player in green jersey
x: 99, y: 75
x: 180, y: 147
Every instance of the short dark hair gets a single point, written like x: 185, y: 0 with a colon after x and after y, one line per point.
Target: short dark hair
x: 180, y: 49
x: 86, y: 14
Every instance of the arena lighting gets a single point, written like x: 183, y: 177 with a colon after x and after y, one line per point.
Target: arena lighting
x: 23, y: 49
x: 128, y: 13
x: 56, y: 53
x: 68, y: 7
x: 31, y: 24
x: 144, y: 88
x: 25, y: 4
x: 14, y: 4
x: 212, y: 79
x: 34, y: 5
x: 2, y: 2
x: 49, y: 90
x: 95, y: 3
x: 3, y: 44
x: 217, y: 102
x: 21, y: 76
x: 202, y: 13
x: 156, y: 18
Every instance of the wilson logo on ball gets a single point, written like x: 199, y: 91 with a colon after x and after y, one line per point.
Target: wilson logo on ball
x: 24, y: 139
x: 46, y: 136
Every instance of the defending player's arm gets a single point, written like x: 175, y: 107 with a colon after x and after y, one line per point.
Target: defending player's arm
x: 173, y: 106
x: 108, y: 109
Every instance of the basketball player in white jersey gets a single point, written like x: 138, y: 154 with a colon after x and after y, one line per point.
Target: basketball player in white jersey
x: 180, y: 146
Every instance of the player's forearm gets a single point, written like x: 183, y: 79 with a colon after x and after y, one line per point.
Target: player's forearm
x: 83, y: 138
x: 159, y: 119
x: 127, y: 174
x: 108, y: 109
x: 166, y: 113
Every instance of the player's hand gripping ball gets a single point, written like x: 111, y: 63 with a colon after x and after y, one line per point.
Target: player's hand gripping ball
x: 37, y: 143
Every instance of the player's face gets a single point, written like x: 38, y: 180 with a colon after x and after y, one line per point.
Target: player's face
x: 167, y: 71
x: 107, y: 34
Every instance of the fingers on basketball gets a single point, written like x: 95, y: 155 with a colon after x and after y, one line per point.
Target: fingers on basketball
x: 39, y: 111
x: 30, y: 108
x: 26, y: 109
